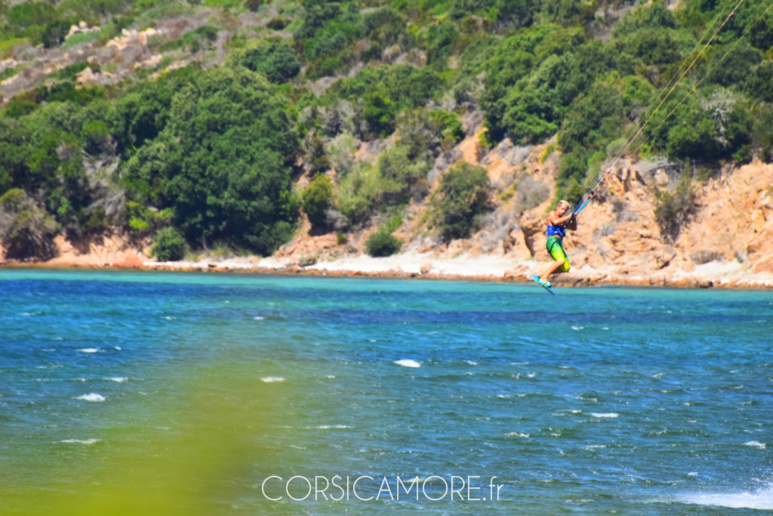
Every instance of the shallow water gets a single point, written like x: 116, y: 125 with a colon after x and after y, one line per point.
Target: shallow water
x: 188, y: 391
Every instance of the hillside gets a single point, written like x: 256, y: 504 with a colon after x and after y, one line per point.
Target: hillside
x: 438, y: 129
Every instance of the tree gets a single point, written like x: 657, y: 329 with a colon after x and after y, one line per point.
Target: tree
x: 317, y: 199
x: 275, y: 59
x: 26, y: 231
x: 461, y: 198
x: 225, y: 158
x: 759, y: 83
x: 169, y: 245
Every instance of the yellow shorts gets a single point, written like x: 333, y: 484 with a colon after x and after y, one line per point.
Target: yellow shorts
x: 556, y: 250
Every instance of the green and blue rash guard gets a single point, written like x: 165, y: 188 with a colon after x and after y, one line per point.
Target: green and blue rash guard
x: 554, y: 245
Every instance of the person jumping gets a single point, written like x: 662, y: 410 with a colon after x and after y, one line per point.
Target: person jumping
x: 558, y: 223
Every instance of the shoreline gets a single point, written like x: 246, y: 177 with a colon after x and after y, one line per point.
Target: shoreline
x: 481, y: 268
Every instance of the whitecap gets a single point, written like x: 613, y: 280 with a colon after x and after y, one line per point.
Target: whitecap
x: 93, y: 397
x: 755, y: 444
x: 470, y: 362
x: 89, y: 350
x: 610, y: 415
x: 578, y: 328
x: 117, y: 379
x: 503, y: 396
x: 81, y: 441
x: 407, y: 363
x: 258, y: 318
x: 272, y: 379
x: 330, y: 377
x: 328, y: 427
x: 517, y: 434
x: 760, y: 500
x: 117, y: 348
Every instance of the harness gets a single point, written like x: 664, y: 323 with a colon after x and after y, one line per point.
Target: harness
x: 557, y: 233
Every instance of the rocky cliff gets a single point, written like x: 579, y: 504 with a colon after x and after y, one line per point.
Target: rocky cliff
x: 723, y: 238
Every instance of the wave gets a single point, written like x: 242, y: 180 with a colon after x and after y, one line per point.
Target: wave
x: 760, y: 500
x: 272, y: 379
x: 610, y: 415
x: 408, y: 363
x: 80, y: 441
x: 92, y: 397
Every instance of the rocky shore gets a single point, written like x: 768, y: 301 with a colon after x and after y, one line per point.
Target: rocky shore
x: 724, y: 241
x: 481, y: 268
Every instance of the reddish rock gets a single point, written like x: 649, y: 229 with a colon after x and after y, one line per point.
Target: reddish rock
x: 132, y: 261
x: 764, y: 265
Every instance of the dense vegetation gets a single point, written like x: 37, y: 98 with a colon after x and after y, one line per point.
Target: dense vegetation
x: 211, y: 152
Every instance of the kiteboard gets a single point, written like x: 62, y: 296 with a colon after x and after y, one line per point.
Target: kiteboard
x: 535, y: 278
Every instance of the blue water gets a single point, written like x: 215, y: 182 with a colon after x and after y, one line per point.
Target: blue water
x: 596, y: 401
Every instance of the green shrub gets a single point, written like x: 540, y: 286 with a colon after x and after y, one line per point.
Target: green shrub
x: 406, y: 172
x: 363, y: 191
x: 673, y: 209
x: 382, y: 243
x: 69, y: 72
x: 317, y: 199
x: 95, y: 136
x: 276, y: 60
x: 18, y: 108
x: 759, y: 83
x: 26, y: 231
x: 30, y: 14
x: 316, y: 156
x: 423, y: 130
x: 169, y: 245
x: 55, y: 31
x: 277, y: 23
x: 97, y: 223
x: 461, y: 198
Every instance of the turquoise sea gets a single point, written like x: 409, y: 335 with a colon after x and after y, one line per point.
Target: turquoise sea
x: 180, y: 393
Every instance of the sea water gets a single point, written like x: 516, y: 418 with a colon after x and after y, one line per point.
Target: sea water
x: 181, y: 393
